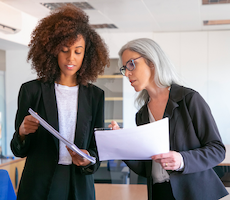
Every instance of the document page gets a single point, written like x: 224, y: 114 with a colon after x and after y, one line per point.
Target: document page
x: 72, y: 146
x: 139, y: 143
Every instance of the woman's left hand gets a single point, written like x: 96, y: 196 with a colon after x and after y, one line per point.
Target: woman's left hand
x: 168, y: 161
x: 77, y: 159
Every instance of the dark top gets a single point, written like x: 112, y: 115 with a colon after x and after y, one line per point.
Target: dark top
x: 42, y: 148
x: 194, y: 134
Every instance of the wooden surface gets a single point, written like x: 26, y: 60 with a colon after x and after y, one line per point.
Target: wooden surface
x: 120, y: 192
x: 11, y: 166
x: 226, y: 161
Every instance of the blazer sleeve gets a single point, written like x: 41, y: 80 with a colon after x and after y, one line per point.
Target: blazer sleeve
x: 211, y: 150
x: 18, y: 148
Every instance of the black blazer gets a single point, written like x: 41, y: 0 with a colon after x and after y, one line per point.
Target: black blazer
x: 193, y: 133
x: 42, y: 148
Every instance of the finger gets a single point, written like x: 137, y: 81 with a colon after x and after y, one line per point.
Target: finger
x: 115, y: 126
x: 30, y: 127
x: 72, y: 153
x: 165, y: 165
x: 158, y: 157
x: 31, y: 119
x: 162, y: 156
x: 69, y: 150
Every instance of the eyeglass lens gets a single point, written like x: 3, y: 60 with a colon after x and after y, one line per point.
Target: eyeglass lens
x: 130, y: 66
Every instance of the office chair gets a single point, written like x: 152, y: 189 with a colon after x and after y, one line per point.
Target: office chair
x: 6, y: 187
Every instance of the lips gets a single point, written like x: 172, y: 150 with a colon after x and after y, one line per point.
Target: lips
x: 70, y: 66
x: 132, y: 81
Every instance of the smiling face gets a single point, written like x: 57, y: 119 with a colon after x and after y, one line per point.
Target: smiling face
x: 141, y: 77
x: 70, y: 59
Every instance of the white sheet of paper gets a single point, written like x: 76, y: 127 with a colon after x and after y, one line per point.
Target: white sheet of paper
x: 139, y: 143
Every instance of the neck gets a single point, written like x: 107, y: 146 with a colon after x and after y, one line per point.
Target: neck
x: 68, y: 81
x: 158, y: 93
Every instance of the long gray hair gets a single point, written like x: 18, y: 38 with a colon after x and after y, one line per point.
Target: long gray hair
x: 165, y: 73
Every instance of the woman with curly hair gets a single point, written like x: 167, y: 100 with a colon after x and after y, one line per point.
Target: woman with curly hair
x: 67, y: 55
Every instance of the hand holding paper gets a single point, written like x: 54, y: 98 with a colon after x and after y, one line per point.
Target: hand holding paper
x: 72, y: 146
x: 139, y: 143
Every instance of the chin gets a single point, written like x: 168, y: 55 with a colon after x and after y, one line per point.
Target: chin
x: 137, y: 89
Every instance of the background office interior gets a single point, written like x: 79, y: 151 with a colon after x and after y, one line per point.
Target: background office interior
x: 185, y: 29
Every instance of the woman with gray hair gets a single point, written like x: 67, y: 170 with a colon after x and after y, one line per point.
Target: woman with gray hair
x: 185, y: 172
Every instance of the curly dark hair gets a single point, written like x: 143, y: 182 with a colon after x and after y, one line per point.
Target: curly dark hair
x: 61, y: 28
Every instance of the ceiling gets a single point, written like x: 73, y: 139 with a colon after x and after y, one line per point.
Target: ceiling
x: 141, y: 15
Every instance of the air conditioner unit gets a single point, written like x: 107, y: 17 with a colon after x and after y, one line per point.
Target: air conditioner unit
x: 10, y: 19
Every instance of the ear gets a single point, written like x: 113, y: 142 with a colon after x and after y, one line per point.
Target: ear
x: 151, y: 65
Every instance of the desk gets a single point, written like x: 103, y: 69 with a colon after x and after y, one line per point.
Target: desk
x: 121, y: 192
x: 11, y: 165
x: 226, y: 161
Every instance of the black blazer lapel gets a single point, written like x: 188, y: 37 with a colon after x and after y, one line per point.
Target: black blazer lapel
x: 84, y: 114
x: 142, y: 116
x: 50, y: 105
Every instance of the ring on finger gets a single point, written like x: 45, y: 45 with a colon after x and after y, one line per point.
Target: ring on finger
x: 166, y: 164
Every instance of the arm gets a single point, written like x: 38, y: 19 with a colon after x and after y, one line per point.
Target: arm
x: 24, y: 124
x: 202, y: 146
x: 211, y: 150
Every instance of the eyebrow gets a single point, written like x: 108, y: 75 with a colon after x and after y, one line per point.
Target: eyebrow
x: 79, y: 46
x: 75, y: 47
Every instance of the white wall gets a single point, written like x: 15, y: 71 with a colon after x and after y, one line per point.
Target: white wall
x: 202, y: 60
x: 18, y: 71
x: 116, y: 40
x: 219, y: 81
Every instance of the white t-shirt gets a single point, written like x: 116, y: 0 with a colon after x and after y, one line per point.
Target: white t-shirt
x: 67, y: 103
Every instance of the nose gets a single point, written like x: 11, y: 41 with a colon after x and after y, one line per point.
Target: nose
x: 127, y: 73
x: 70, y: 56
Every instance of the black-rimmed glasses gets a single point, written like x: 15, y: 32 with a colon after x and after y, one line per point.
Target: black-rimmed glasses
x: 130, y: 65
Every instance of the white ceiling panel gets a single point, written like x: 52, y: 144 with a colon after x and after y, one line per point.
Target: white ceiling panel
x: 96, y: 17
x: 140, y: 15
x: 127, y: 15
x: 177, y: 15
x: 215, y: 12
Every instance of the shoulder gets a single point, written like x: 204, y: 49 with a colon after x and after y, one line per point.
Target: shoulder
x: 189, y: 98
x: 180, y: 93
x: 31, y: 84
x: 34, y: 87
x: 92, y: 88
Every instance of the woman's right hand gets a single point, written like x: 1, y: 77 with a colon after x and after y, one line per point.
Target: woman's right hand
x: 29, y: 125
x: 114, y: 125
